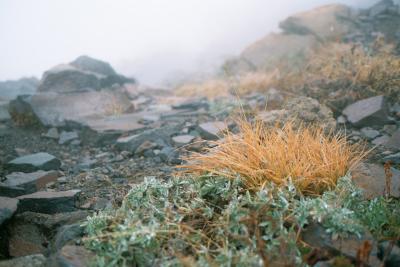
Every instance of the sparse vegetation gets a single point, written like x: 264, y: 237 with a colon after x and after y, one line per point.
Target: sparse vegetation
x: 260, y: 154
x: 215, y: 221
x: 210, y: 89
x: 333, y: 67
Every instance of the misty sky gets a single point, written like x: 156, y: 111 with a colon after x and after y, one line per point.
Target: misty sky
x: 148, y: 39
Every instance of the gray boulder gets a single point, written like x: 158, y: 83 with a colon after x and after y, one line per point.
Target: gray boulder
x: 82, y: 74
x: 8, y: 206
x: 366, y: 112
x: 86, y: 63
x: 54, y: 110
x: 22, y: 112
x: 34, y: 162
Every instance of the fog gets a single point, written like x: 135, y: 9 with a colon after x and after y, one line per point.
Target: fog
x: 151, y: 40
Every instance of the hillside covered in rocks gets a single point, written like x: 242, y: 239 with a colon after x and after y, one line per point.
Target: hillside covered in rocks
x: 99, y: 170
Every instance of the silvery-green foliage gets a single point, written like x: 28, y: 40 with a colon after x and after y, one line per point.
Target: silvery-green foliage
x: 216, y: 221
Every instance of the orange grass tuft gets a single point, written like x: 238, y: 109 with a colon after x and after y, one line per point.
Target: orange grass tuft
x: 313, y: 159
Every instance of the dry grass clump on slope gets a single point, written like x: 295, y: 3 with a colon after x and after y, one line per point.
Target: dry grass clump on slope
x: 313, y: 159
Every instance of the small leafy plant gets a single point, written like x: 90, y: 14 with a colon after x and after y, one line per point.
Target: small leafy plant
x: 215, y: 221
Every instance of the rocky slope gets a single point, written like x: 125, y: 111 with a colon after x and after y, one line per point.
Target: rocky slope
x: 87, y: 135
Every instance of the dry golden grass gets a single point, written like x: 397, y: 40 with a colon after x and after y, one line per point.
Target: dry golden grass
x: 313, y: 159
x: 211, y: 89
x: 374, y: 72
x: 256, y: 81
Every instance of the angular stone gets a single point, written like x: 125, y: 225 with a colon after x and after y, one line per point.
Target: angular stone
x: 8, y: 206
x: 36, y: 260
x: 211, y: 130
x: 31, y: 232
x: 29, y: 182
x: 381, y: 140
x: 181, y: 140
x: 372, y: 179
x: 144, y: 147
x: 66, y: 137
x: 68, y: 234
x: 366, y: 112
x: 52, y: 133
x: 169, y: 155
x: 394, y: 141
x: 369, y: 133
x: 49, y: 202
x: 34, y: 162
x: 160, y: 136
x: 316, y: 236
x: 76, y: 256
x: 192, y: 104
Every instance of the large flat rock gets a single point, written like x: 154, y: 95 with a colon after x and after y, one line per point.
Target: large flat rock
x: 49, y: 202
x: 160, y: 136
x: 367, y: 112
x: 34, y: 162
x: 20, y: 183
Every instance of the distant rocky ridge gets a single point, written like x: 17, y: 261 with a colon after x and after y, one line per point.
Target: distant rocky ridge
x: 303, y: 32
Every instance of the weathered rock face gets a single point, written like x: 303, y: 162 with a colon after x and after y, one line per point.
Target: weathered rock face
x: 53, y: 109
x: 325, y: 23
x: 276, y: 47
x: 83, y: 74
x: 68, y: 79
x: 86, y: 63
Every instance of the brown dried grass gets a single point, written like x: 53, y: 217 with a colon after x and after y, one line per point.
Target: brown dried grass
x: 312, y: 159
x: 210, y: 89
